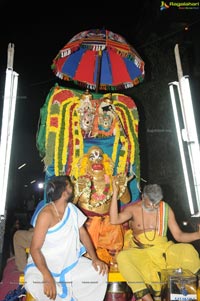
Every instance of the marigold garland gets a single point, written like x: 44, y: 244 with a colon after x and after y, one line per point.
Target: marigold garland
x: 66, y: 134
x: 58, y: 168
x: 131, y: 126
x: 127, y: 127
x: 116, y: 142
x: 63, y: 125
x: 52, y: 112
x: 77, y: 142
x: 50, y: 147
x: 50, y: 139
x: 122, y: 164
x: 129, y: 105
x: 73, y: 139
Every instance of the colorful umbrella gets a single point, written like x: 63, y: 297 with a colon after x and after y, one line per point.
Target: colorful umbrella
x: 99, y: 60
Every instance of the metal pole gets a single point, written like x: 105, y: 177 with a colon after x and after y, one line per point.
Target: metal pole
x: 189, y: 133
x: 10, y: 95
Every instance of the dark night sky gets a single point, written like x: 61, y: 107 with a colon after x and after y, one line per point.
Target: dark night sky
x: 36, y: 44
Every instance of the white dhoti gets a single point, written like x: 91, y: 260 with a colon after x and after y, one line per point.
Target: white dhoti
x: 86, y: 284
x: 75, y: 277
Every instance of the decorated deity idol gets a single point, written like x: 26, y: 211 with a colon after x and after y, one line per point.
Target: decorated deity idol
x: 72, y: 121
x: 93, y: 138
x: 93, y: 193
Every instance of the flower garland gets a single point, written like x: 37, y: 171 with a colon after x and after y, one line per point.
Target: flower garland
x: 127, y: 146
x: 103, y: 196
x: 61, y: 143
x: 70, y: 139
x: 90, y: 192
x: 78, y: 147
x: 134, y: 144
x: 121, y: 168
x: 65, y: 142
x: 51, y: 129
x: 130, y: 123
x: 116, y: 142
x: 119, y: 137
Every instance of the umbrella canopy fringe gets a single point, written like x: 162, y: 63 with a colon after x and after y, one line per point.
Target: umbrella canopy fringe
x: 99, y: 59
x: 103, y: 87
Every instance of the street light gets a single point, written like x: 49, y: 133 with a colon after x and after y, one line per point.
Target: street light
x: 188, y: 135
x: 10, y: 95
x: 181, y: 146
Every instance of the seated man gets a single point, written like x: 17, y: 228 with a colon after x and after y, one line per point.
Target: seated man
x: 147, y: 250
x: 56, y: 267
x: 22, y: 241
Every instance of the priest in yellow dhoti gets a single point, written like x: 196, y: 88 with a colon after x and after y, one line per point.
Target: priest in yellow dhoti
x: 147, y: 250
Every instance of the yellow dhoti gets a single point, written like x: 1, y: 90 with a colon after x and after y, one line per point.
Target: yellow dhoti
x: 141, y: 266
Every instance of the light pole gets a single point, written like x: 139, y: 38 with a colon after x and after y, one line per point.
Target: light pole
x: 187, y: 137
x: 8, y: 114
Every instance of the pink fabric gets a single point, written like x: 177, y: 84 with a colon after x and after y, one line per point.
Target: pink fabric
x: 10, y: 279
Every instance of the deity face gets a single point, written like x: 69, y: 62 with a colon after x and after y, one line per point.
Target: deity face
x: 95, y: 160
x: 105, y: 121
x: 86, y: 112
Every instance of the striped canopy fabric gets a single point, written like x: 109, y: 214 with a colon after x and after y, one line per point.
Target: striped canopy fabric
x: 99, y: 60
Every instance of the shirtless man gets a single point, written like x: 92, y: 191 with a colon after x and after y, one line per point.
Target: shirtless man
x: 56, y: 267
x: 147, y: 250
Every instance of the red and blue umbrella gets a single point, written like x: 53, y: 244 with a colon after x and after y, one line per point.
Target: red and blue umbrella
x: 99, y: 60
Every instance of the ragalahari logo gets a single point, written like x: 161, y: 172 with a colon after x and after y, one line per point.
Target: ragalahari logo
x: 179, y: 5
x: 164, y: 5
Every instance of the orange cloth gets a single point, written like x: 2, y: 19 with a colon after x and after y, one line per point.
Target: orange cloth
x: 105, y: 236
